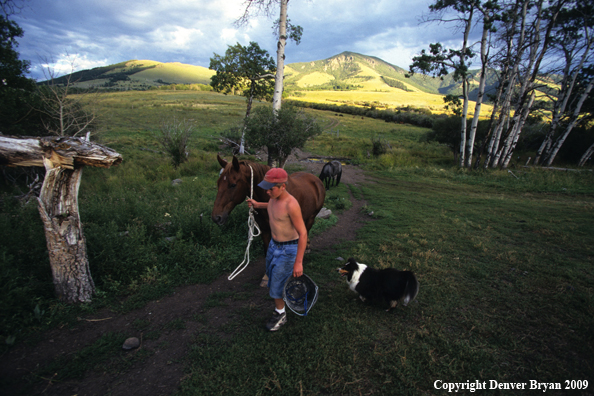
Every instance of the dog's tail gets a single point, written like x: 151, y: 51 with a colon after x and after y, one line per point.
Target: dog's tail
x: 411, y: 289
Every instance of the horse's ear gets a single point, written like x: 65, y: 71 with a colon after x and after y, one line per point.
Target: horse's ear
x: 222, y: 162
x: 235, y: 164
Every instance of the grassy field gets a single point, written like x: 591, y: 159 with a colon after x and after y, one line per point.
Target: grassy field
x: 505, y: 263
x: 388, y: 97
x: 506, y: 295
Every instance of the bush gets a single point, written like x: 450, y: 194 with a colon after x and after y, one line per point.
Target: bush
x: 174, y: 136
x: 379, y: 146
x: 280, y: 132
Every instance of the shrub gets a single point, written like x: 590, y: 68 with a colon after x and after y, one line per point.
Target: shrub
x: 281, y: 132
x: 174, y: 136
x: 379, y: 146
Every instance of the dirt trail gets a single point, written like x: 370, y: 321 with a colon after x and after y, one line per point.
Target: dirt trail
x: 157, y: 367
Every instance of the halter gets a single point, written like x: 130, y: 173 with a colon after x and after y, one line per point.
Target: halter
x: 251, y: 226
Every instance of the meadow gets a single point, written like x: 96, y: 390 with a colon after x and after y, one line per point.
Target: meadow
x: 504, y: 261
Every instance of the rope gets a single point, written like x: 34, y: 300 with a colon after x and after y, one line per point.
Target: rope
x: 296, y: 300
x: 251, y: 226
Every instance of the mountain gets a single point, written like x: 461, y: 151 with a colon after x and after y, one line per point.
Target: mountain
x: 353, y: 71
x: 138, y: 74
x: 348, y: 71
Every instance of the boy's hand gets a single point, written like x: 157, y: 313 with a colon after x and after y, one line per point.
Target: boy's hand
x: 298, y: 269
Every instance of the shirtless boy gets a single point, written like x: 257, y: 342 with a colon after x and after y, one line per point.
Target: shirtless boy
x: 289, y: 240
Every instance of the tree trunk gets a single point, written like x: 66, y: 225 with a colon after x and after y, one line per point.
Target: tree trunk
x: 521, y: 121
x: 586, y: 155
x: 465, y: 87
x: 247, y: 115
x: 280, y: 56
x: 513, y: 57
x: 280, y: 68
x: 576, y: 114
x: 58, y: 207
x: 464, y: 118
x: 63, y: 159
x: 481, y: 92
x: 567, y: 85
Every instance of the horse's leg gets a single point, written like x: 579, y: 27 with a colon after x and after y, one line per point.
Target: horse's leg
x: 266, y: 239
x: 308, y: 224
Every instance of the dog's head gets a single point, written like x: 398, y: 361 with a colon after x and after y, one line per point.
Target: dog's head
x: 348, y: 269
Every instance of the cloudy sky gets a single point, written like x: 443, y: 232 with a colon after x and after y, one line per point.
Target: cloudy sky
x: 88, y: 33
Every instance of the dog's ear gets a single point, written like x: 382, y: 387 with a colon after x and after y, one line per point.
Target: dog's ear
x: 352, y: 261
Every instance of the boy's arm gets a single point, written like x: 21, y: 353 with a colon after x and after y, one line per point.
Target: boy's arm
x: 256, y: 204
x: 297, y: 220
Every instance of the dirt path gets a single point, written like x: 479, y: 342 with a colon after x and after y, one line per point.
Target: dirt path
x: 157, y: 367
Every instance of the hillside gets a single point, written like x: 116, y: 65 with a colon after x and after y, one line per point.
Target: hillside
x: 343, y: 72
x: 346, y: 78
x: 139, y: 74
x: 352, y: 71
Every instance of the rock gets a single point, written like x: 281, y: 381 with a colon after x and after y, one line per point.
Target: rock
x: 339, y: 259
x: 324, y: 213
x: 176, y: 182
x: 131, y: 343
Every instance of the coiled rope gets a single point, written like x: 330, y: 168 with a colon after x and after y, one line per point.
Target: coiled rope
x: 252, y: 225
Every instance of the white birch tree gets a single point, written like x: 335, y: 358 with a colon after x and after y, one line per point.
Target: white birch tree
x: 440, y: 61
x: 285, y: 30
x: 572, y: 123
x: 574, y: 40
x: 489, y: 16
x: 529, y: 41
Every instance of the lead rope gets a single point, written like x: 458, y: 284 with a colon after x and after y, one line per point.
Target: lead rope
x: 251, y: 226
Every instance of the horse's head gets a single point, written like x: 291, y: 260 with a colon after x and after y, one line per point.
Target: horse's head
x: 233, y: 188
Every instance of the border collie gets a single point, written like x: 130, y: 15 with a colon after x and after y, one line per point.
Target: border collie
x: 389, y: 283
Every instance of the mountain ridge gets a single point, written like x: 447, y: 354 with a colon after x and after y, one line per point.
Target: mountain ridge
x: 345, y: 71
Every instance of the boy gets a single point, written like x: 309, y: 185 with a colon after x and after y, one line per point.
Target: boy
x: 289, y: 240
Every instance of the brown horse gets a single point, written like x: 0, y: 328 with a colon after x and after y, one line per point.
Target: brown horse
x: 234, y: 187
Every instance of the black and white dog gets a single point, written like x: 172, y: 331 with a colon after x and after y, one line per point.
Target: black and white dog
x: 389, y: 283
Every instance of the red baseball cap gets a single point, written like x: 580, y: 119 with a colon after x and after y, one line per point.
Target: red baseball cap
x: 273, y: 177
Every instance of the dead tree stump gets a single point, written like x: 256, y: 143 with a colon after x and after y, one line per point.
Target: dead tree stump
x: 63, y: 159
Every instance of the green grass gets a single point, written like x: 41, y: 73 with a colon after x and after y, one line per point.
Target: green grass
x: 504, y: 261
x: 506, y: 294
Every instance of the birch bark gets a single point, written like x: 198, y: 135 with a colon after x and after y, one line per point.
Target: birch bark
x: 280, y: 56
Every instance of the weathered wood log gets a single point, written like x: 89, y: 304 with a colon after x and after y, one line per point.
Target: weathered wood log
x: 69, y: 152
x: 66, y: 245
x: 63, y: 159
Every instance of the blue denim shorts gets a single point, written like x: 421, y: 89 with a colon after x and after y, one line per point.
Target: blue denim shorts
x: 280, y: 259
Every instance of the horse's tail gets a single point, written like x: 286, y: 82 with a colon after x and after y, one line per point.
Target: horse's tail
x: 411, y: 289
x: 326, y: 174
x: 323, y: 173
x: 338, y: 175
